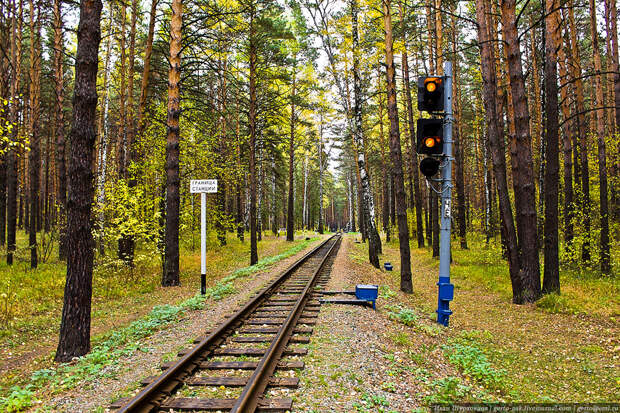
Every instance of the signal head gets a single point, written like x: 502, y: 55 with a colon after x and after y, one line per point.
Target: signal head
x: 430, y: 136
x: 430, y: 94
x: 429, y: 167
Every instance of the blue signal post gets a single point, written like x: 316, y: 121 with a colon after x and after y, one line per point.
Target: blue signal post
x: 445, y: 288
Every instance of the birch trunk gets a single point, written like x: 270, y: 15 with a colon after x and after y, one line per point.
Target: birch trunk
x: 374, y: 242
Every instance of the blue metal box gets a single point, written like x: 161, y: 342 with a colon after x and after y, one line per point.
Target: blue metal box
x: 367, y: 292
x: 446, y: 291
x: 388, y: 266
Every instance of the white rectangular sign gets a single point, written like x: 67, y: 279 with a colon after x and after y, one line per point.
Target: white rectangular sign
x: 203, y: 185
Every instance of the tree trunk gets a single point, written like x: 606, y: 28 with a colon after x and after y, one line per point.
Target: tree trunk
x: 374, y: 242
x: 523, y: 178
x: 612, y: 33
x: 171, y: 272
x: 495, y: 130
x: 397, y: 168
x: 567, y: 149
x: 582, y: 125
x: 103, y: 129
x: 458, y: 146
x: 126, y: 244
x: 384, y: 167
x: 61, y: 187
x: 434, y: 206
x: 551, y: 278
x: 146, y: 71
x: 240, y: 180
x: 252, y: 126
x: 121, y: 140
x: 304, y: 210
x: 11, y: 157
x: 222, y: 216
x: 35, y: 105
x: 290, y: 217
x: 600, y: 132
x: 74, y: 338
x: 417, y: 201
x: 320, y: 154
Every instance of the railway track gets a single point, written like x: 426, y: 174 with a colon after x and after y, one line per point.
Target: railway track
x: 250, y: 353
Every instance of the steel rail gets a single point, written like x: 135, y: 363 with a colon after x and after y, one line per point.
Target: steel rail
x: 164, y: 384
x: 258, y: 381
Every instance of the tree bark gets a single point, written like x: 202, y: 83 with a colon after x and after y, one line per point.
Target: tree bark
x: 523, y: 178
x: 551, y: 277
x: 290, y: 217
x: 496, y: 142
x: 146, y: 71
x: 61, y: 186
x: 11, y: 158
x: 374, y: 242
x: 612, y: 33
x: 35, y: 109
x: 121, y: 140
x: 384, y: 167
x: 252, y: 125
x: 171, y: 272
x: 599, y: 102
x: 320, y: 154
x: 126, y: 244
x: 74, y: 338
x: 458, y: 146
x: 582, y: 126
x: 417, y: 201
x: 397, y: 168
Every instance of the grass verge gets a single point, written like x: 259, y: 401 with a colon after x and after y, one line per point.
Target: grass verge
x: 123, y: 342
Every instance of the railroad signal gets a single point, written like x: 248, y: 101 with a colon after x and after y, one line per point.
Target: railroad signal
x: 430, y: 136
x: 429, y: 166
x: 430, y: 94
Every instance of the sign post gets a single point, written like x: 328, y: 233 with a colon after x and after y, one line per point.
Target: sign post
x: 203, y: 187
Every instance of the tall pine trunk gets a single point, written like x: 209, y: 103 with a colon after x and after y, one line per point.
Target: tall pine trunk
x: 171, y: 266
x: 11, y: 158
x: 290, y: 217
x: 252, y: 126
x: 397, y: 168
x: 126, y: 244
x: 599, y: 102
x: 74, y: 338
x: 384, y: 168
x: 522, y: 172
x: 495, y: 130
x: 35, y: 109
x: 61, y: 186
x: 417, y: 201
x: 551, y: 278
x: 583, y: 133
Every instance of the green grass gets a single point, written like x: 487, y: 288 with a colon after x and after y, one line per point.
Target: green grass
x: 46, y: 284
x: 561, y: 348
x: 583, y: 291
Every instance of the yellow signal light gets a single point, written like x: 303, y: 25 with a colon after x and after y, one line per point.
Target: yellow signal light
x: 429, y: 142
x: 431, y: 86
